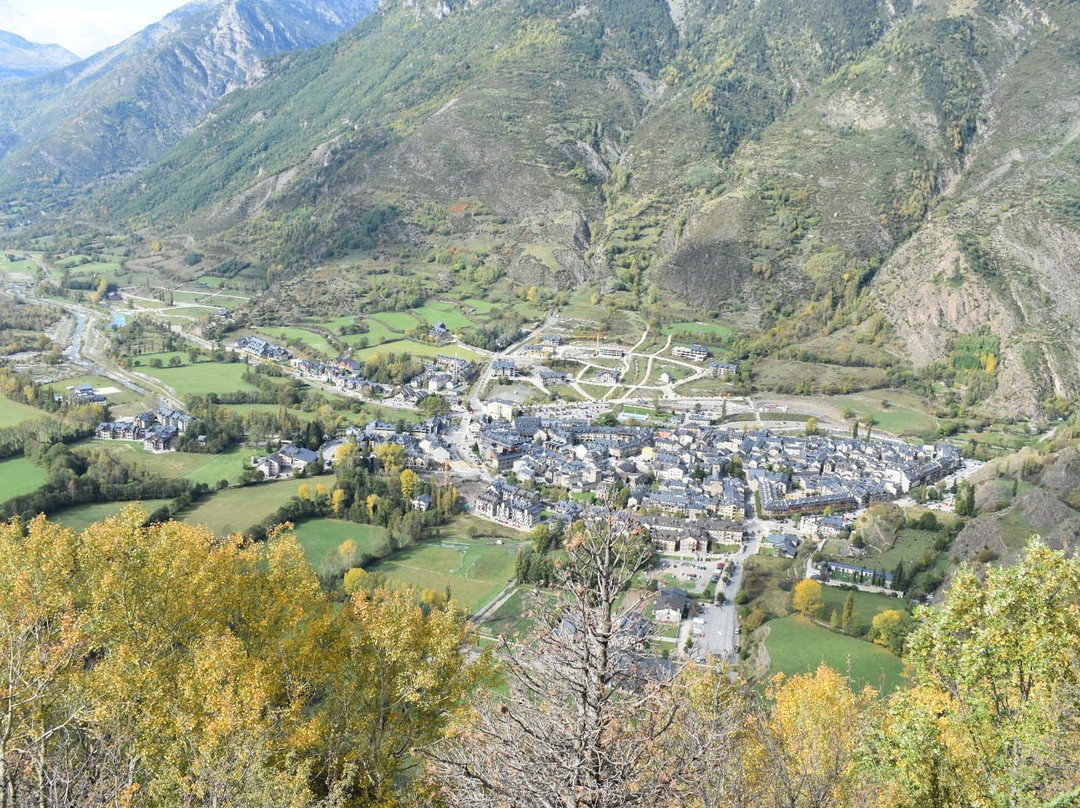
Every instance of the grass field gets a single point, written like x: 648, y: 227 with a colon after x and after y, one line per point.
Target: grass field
x: 783, y: 374
x: 19, y: 476
x: 244, y: 408
x: 398, y: 320
x: 12, y: 412
x: 237, y: 509
x: 482, y: 306
x: 445, y: 313
x: 702, y: 331
x: 910, y: 546
x: 903, y: 416
x: 316, y: 342
x: 202, y: 378
x: 473, y: 571
x: 377, y: 333
x: 514, y: 617
x: 796, y: 645
x: 26, y: 267
x: 122, y: 396
x: 80, y: 517
x: 867, y: 605
x: 416, y: 349
x: 319, y: 537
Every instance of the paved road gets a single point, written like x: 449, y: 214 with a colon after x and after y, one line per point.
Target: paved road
x: 721, y: 620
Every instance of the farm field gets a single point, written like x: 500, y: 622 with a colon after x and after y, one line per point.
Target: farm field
x: 237, y: 509
x: 867, y: 605
x: 19, y: 476
x: 21, y: 267
x: 397, y: 320
x: 202, y: 378
x: 13, y: 412
x: 314, y: 341
x: 80, y: 517
x: 320, y: 537
x: 472, y: 570
x: 904, y: 415
x: 482, y: 306
x: 377, y: 333
x: 245, y: 408
x: 702, y: 332
x: 796, y: 645
x: 786, y: 374
x: 416, y: 349
x: 445, y: 313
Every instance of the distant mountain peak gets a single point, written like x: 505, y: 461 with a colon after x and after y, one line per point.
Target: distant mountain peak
x: 120, y: 109
x: 20, y: 58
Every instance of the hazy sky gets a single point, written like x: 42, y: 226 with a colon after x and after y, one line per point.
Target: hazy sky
x: 81, y: 26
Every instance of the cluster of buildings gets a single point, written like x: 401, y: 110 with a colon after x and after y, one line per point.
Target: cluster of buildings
x: 509, y: 505
x: 425, y: 444
x: 262, y: 349
x: 285, y: 462
x: 447, y: 375
x: 157, y: 430
x: 694, y: 485
x: 86, y: 394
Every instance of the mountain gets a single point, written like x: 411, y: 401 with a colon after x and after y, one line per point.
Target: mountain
x: 21, y: 59
x: 883, y: 190
x: 122, y: 108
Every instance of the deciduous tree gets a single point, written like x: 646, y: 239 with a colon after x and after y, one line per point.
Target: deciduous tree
x: 807, y: 597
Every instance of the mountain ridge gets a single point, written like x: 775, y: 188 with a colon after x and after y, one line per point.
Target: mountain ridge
x: 122, y: 108
x: 21, y: 58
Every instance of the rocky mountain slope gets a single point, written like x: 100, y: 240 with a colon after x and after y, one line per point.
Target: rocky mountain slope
x: 876, y: 183
x: 21, y: 59
x: 122, y: 108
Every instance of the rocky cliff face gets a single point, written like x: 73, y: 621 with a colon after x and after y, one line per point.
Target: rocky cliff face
x: 20, y: 59
x: 122, y: 108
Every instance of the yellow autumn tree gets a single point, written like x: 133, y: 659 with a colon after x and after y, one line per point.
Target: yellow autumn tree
x: 196, y: 670
x: 803, y: 751
x: 337, y: 501
x: 410, y: 481
x: 347, y: 454
x: 391, y: 456
x: 807, y: 597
